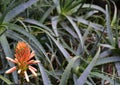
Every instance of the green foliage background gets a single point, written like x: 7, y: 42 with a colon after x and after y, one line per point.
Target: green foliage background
x: 76, y: 42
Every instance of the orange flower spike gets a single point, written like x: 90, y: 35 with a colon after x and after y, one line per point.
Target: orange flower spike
x: 23, y: 59
x: 22, y: 51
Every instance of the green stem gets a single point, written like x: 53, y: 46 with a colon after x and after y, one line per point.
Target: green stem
x: 21, y: 78
x: 21, y: 82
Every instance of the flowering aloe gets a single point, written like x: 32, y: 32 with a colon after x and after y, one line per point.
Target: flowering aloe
x: 23, y: 60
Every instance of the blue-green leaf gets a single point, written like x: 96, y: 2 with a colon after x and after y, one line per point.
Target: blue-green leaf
x: 82, y: 79
x: 17, y: 10
x: 45, y: 78
x: 67, y: 71
x: 8, y: 53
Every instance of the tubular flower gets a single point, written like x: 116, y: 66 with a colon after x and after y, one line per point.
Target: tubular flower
x: 23, y: 60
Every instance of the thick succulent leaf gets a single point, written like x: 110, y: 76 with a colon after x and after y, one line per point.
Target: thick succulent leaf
x: 61, y: 48
x: 68, y: 29
x: 109, y: 30
x: 106, y: 60
x: 105, y: 77
x: 107, y: 46
x: 2, y: 30
x: 46, y: 14
x: 13, y: 35
x: 8, y: 53
x: 45, y: 78
x: 71, y: 10
x: 86, y: 33
x: 77, y: 31
x: 67, y: 71
x: 34, y: 22
x: 89, y: 14
x: 64, y: 51
x: 115, y: 15
x: 105, y: 53
x: 71, y: 6
x: 7, y: 81
x: 94, y: 7
x: 54, y: 22
x: 91, y: 24
x: 17, y: 10
x: 82, y: 79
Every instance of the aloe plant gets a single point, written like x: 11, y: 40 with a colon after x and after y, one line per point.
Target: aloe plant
x: 74, y: 41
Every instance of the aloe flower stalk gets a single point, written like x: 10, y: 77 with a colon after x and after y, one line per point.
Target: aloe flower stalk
x: 23, y: 60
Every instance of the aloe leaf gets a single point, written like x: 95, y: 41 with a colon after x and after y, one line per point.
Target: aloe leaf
x: 89, y: 14
x: 68, y: 29
x: 72, y: 6
x: 105, y: 53
x: 54, y: 22
x: 86, y: 33
x: 82, y: 79
x: 68, y: 47
x: 2, y: 30
x: 61, y: 48
x: 67, y: 71
x: 34, y: 22
x: 117, y: 64
x: 93, y: 25
x: 105, y: 77
x: 67, y: 3
x: 17, y: 10
x: 94, y: 7
x: 106, y: 60
x: 77, y: 31
x: 109, y: 30
x: 107, y: 46
x: 13, y: 35
x: 8, y: 53
x: 72, y: 10
x: 115, y: 15
x: 64, y: 52
x: 46, y: 14
x: 45, y: 78
x: 7, y: 81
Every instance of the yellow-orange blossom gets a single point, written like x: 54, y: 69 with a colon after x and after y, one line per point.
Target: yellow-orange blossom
x: 23, y: 60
